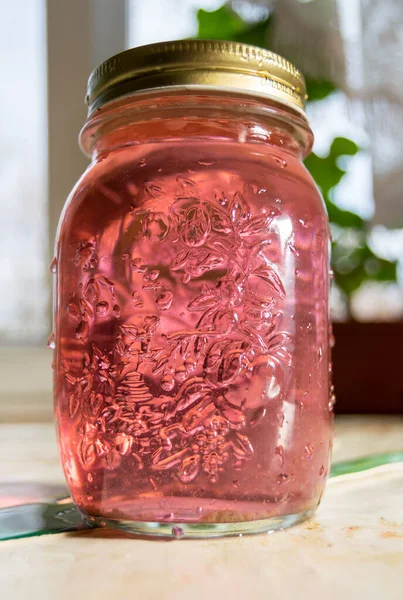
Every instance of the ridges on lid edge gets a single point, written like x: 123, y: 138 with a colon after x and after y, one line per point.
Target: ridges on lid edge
x: 199, y: 63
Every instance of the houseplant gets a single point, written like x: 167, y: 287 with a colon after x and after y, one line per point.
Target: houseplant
x: 366, y: 353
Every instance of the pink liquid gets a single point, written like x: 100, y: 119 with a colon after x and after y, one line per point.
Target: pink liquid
x: 192, y: 365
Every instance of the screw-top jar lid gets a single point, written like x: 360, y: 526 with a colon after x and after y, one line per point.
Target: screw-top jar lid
x: 197, y: 64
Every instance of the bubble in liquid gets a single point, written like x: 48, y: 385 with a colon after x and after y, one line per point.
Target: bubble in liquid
x: 102, y: 308
x: 189, y: 468
x: 308, y: 450
x: 153, y: 275
x: 280, y: 418
x: 138, y: 265
x: 281, y: 163
x: 53, y: 266
x: 116, y: 311
x: 164, y: 300
x: 156, y: 227
x: 137, y: 300
x: 74, y: 311
x: 221, y: 199
x: 181, y: 373
x: 332, y: 402
x: 82, y: 331
x: 177, y: 532
x: 167, y: 383
x: 93, y: 263
x: 190, y: 363
x: 51, y: 341
x: 279, y: 451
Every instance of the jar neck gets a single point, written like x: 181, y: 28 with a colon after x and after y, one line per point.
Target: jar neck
x: 174, y: 116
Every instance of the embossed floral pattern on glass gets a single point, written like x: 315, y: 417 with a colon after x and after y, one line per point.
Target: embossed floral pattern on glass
x: 192, y: 378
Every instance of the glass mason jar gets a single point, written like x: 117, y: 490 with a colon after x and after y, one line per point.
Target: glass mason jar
x: 191, y: 307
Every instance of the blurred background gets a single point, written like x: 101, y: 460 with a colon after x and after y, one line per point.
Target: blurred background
x: 351, y: 52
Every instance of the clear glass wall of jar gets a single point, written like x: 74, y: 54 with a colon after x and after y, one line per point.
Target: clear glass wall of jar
x: 191, y: 317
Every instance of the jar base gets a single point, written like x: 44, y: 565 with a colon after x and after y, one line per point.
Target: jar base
x: 200, y: 530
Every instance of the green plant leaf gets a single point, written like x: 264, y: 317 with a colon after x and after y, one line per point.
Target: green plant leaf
x: 325, y: 171
x: 358, y: 465
x: 328, y: 174
x: 220, y: 24
x: 353, y: 263
x: 255, y: 34
x: 342, y: 146
x: 225, y: 24
x: 343, y: 218
x: 387, y: 270
x: 318, y: 89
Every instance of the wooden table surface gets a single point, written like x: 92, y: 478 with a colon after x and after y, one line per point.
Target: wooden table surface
x: 352, y: 549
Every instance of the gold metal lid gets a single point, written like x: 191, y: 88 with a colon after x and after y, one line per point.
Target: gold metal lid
x: 197, y: 64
